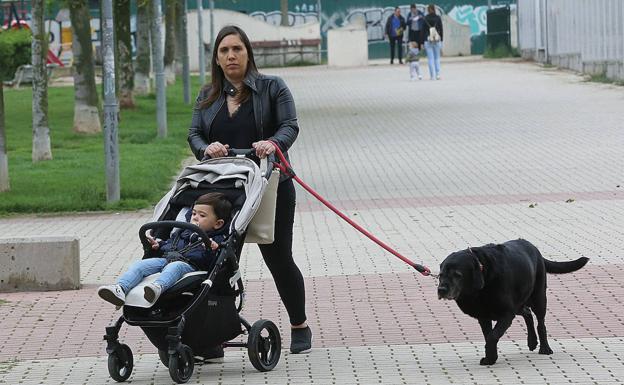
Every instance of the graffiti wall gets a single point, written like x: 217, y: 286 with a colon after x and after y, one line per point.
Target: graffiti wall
x: 375, y: 17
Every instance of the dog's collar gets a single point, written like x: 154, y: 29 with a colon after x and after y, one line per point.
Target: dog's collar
x: 480, y: 264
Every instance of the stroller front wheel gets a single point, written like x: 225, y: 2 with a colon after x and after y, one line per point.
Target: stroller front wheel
x: 164, y: 357
x: 181, y: 365
x: 264, y: 345
x: 120, y: 363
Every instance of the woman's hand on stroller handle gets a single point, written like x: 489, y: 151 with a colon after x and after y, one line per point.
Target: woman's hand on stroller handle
x: 216, y: 150
x: 263, y: 148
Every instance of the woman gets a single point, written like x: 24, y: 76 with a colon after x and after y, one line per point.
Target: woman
x: 415, y: 25
x: 242, y: 108
x: 395, y: 25
x: 433, y: 42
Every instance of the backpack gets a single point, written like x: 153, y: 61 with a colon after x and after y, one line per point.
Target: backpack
x: 434, y: 36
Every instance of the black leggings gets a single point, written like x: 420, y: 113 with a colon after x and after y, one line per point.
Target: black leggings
x: 278, y: 255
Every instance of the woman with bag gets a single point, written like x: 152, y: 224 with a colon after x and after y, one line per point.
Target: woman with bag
x: 433, y: 35
x: 242, y: 108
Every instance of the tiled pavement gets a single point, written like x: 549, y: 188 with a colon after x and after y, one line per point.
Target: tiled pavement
x: 431, y: 167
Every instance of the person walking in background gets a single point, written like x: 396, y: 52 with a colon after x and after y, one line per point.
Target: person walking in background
x: 433, y: 35
x: 414, y: 25
x: 413, y: 59
x: 395, y: 26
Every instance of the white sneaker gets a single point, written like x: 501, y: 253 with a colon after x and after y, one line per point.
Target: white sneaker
x: 113, y: 294
x: 419, y: 77
x: 437, y: 77
x: 412, y: 79
x: 151, y: 292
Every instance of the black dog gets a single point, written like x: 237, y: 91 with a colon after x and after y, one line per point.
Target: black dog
x: 496, y: 282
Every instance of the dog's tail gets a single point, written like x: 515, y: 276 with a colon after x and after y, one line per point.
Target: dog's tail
x: 564, y: 267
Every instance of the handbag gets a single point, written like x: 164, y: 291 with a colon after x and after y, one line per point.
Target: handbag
x: 261, y: 229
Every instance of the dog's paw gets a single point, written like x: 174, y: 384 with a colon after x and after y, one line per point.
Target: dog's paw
x: 532, y: 342
x: 545, y: 350
x: 488, y: 360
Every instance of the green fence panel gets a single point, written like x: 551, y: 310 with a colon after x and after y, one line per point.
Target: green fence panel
x: 498, y: 28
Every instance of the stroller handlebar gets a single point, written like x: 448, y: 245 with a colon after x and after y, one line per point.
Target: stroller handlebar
x: 249, y: 153
x: 171, y: 224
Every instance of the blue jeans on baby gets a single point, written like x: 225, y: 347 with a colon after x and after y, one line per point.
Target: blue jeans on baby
x: 433, y: 58
x: 170, y: 273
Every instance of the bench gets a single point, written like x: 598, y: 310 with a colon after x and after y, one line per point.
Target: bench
x: 285, y: 52
x: 24, y: 74
x: 39, y: 264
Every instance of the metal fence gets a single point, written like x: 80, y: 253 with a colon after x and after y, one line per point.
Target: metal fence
x: 583, y: 35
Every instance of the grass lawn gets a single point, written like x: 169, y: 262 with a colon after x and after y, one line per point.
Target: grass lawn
x: 74, y: 180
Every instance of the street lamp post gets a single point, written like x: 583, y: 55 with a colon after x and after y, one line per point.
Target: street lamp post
x: 200, y: 32
x: 159, y: 70
x: 111, y: 109
x: 186, y: 72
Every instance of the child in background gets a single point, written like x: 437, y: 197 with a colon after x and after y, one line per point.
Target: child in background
x: 413, y: 60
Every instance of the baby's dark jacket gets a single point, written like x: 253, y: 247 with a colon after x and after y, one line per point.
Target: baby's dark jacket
x: 197, y: 256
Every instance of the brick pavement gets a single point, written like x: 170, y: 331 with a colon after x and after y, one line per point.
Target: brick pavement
x: 432, y: 166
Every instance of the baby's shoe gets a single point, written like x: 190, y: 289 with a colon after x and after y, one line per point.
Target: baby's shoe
x: 113, y: 294
x: 151, y: 292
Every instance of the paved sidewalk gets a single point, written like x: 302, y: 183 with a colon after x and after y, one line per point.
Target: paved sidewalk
x: 429, y: 166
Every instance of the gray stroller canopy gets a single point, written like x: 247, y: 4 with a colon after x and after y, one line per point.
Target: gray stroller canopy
x: 245, y: 173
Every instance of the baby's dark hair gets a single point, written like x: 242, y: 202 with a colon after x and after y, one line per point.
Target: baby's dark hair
x: 219, y: 203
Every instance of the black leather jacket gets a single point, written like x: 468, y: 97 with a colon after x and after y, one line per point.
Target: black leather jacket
x: 274, y: 113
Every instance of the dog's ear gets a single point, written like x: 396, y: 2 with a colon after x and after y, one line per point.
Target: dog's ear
x: 478, y: 280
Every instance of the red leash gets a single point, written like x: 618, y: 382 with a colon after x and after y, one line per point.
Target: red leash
x: 284, y: 167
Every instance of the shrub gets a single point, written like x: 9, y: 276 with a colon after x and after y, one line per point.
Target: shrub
x: 14, y: 51
x: 501, y: 51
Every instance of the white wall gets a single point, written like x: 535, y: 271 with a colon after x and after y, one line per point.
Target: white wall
x: 255, y: 29
x: 577, y: 34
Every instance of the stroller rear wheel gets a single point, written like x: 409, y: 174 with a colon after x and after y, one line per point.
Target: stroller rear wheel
x: 264, y: 345
x: 181, y: 364
x: 120, y: 363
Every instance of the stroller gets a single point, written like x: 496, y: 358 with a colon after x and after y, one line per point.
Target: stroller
x: 201, y: 311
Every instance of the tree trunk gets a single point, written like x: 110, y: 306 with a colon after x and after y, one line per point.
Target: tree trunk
x: 284, y: 11
x: 142, y: 84
x: 180, y: 39
x: 170, y: 40
x: 41, y: 149
x: 4, y: 161
x: 123, y: 53
x: 86, y: 109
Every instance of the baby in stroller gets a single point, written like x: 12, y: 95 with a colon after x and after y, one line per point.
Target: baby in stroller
x: 182, y: 253
x: 199, y: 316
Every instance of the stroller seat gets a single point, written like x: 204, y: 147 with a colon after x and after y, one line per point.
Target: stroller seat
x: 188, y: 282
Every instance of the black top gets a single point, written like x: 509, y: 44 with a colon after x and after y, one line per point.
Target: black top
x: 238, y: 130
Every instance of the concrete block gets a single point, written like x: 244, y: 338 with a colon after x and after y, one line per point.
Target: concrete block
x: 456, y: 38
x: 347, y: 46
x: 39, y: 263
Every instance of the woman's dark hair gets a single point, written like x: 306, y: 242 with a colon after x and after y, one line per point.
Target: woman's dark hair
x: 219, y: 203
x: 216, y: 85
x: 431, y: 8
